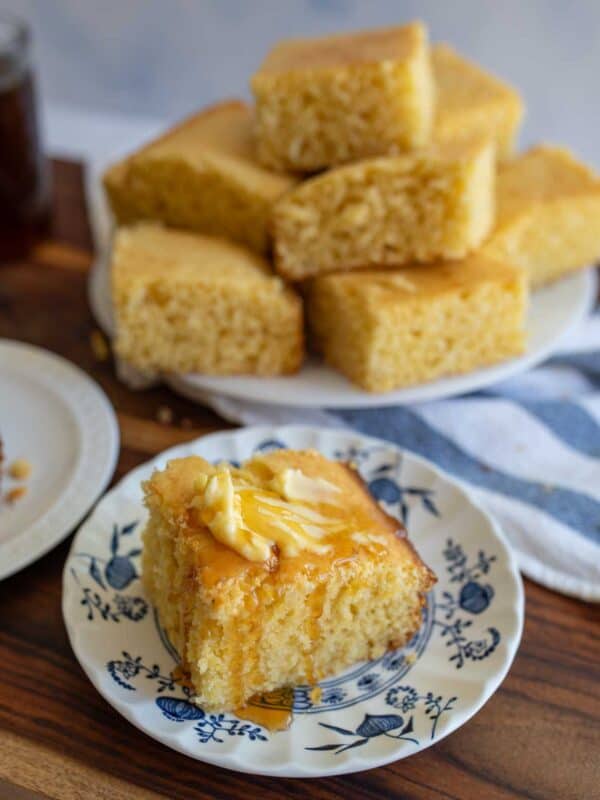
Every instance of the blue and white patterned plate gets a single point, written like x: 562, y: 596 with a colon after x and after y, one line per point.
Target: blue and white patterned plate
x: 374, y: 713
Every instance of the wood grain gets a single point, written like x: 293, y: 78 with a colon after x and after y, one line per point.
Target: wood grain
x: 538, y: 737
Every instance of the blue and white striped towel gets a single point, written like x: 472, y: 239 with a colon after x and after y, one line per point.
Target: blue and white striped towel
x: 529, y: 450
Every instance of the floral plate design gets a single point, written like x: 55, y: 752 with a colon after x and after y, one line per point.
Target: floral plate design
x: 375, y: 712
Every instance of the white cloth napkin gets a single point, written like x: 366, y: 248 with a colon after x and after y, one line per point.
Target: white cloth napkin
x: 528, y: 449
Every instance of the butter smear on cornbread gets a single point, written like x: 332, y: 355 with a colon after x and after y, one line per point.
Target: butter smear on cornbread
x: 277, y: 573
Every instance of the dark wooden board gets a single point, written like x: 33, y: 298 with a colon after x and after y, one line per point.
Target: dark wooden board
x: 538, y: 737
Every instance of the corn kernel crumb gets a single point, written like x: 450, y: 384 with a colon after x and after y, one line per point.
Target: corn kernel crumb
x: 315, y: 694
x: 15, y: 494
x: 20, y: 469
x: 164, y: 415
x: 99, y: 345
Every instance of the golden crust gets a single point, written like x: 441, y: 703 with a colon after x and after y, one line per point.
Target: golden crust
x: 548, y: 220
x: 331, y: 100
x: 343, y: 50
x: 201, y: 175
x: 471, y: 102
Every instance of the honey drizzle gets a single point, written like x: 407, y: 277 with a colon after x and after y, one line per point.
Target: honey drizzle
x: 182, y: 677
x: 316, y: 601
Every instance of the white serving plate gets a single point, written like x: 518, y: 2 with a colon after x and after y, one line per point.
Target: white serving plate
x: 554, y: 311
x: 374, y: 713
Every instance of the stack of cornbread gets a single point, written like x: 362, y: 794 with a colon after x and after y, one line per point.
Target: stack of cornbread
x: 372, y: 194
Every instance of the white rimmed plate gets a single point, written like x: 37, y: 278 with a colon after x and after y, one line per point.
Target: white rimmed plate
x: 553, y: 312
x: 56, y: 417
x: 376, y: 712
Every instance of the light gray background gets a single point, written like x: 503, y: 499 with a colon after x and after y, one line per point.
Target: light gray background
x: 164, y: 58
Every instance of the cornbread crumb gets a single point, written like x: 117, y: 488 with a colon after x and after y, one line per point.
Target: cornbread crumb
x: 410, y: 658
x: 243, y: 627
x: 387, y: 211
x: 325, y: 101
x: 20, y: 469
x: 15, y: 494
x: 463, y: 315
x: 190, y: 303
x: 315, y: 694
x: 164, y: 415
x: 202, y: 176
x: 471, y: 102
x: 99, y: 345
x: 548, y: 218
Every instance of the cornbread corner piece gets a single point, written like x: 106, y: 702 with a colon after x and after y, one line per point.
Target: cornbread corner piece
x: 387, y: 329
x: 190, y: 303
x: 275, y: 574
x: 390, y: 210
x: 548, y: 218
x: 324, y: 101
x: 471, y: 102
x: 203, y: 176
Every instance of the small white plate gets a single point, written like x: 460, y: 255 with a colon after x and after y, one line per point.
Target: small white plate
x: 374, y: 713
x: 56, y: 417
x: 554, y: 311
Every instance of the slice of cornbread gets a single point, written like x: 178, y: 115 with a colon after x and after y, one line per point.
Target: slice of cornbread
x: 328, y: 100
x: 190, y: 303
x: 387, y: 211
x: 471, y: 102
x: 203, y: 176
x: 386, y: 329
x: 548, y: 214
x: 275, y: 574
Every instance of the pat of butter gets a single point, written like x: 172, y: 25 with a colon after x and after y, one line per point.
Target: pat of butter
x: 294, y: 485
x: 220, y: 510
x: 293, y: 514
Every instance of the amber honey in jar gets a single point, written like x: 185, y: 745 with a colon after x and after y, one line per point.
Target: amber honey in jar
x: 24, y: 190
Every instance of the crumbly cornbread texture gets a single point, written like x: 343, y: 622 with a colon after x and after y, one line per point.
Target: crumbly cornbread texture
x: 386, y: 329
x: 548, y: 218
x: 190, y: 303
x: 242, y: 626
x: 471, y: 102
x: 329, y: 100
x: 387, y: 211
x: 203, y: 176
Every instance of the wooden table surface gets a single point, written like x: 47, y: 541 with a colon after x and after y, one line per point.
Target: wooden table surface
x: 538, y: 737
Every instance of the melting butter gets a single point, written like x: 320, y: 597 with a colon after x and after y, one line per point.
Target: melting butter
x: 293, y: 484
x: 220, y: 510
x: 295, y: 513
